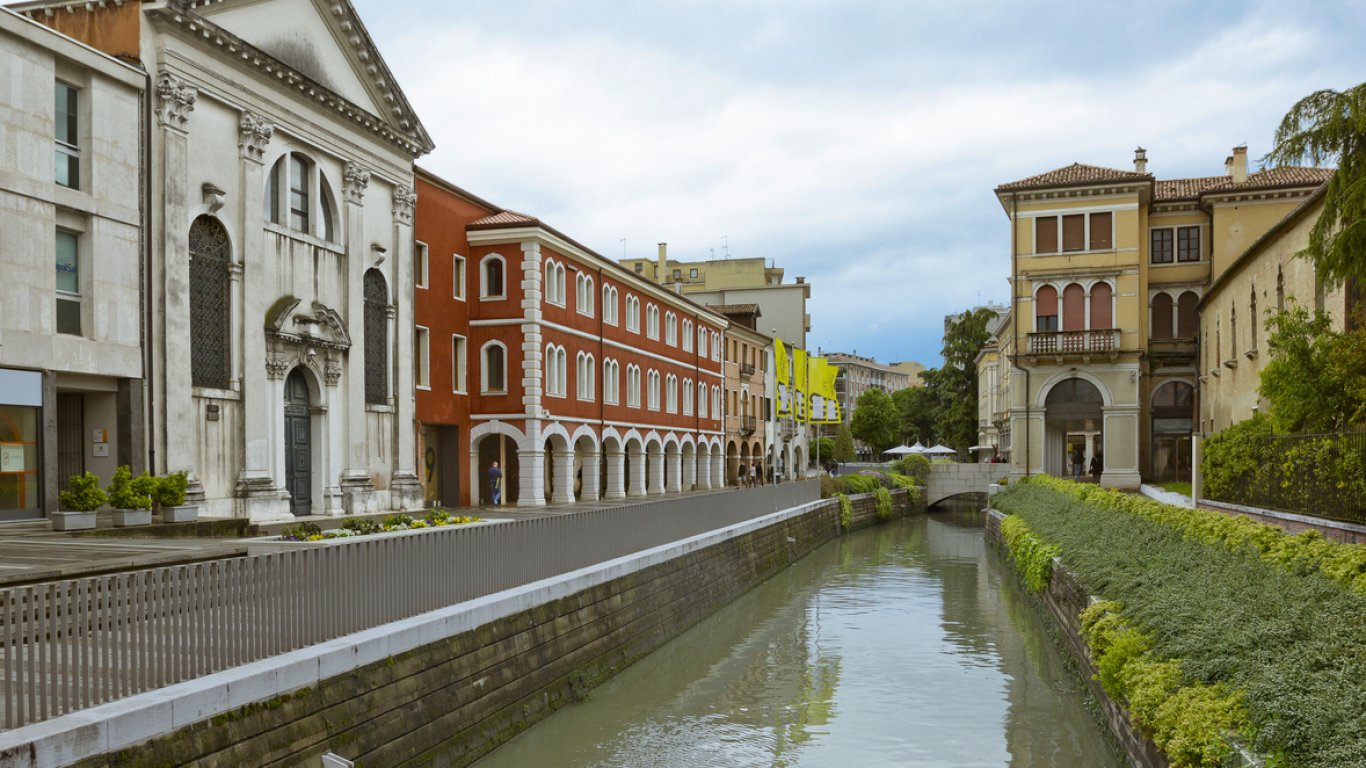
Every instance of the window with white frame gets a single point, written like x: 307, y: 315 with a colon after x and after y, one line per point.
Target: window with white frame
x: 422, y: 361
x: 67, y: 139
x: 609, y: 304
x: 583, y: 294
x: 632, y: 313
x: 493, y: 369
x: 554, y: 282
x: 652, y: 380
x: 68, y: 270
x: 611, y: 381
x: 702, y: 399
x: 633, y: 386
x: 492, y: 282
x: 458, y: 276
x: 584, y: 381
x: 687, y: 395
x: 299, y: 197
x: 701, y: 341
x: 716, y: 346
x: 671, y: 394
x: 716, y: 402
x: 556, y: 370
x: 419, y: 264
x: 652, y: 321
x: 687, y: 335
x: 1074, y: 232
x: 670, y: 329
x: 458, y: 364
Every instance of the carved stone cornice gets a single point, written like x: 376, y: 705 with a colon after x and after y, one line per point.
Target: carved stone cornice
x: 253, y: 135
x: 333, y: 373
x: 405, y: 203
x: 277, y: 367
x: 354, y: 181
x: 175, y: 102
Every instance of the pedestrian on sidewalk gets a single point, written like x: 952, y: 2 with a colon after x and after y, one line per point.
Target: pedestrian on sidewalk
x: 496, y: 484
x: 742, y: 475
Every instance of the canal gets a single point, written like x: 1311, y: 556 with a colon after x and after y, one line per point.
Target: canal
x: 906, y: 644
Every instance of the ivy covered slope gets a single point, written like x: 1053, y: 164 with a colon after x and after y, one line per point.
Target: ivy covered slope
x: 1272, y: 623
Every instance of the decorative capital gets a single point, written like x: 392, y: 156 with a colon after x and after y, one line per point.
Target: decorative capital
x: 254, y: 134
x: 405, y: 202
x: 333, y: 373
x: 277, y: 367
x: 354, y: 181
x: 175, y: 102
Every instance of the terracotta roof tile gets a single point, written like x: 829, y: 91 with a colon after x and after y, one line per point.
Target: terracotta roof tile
x: 1273, y: 178
x: 1183, y: 189
x: 734, y: 309
x: 1075, y: 174
x: 505, y: 218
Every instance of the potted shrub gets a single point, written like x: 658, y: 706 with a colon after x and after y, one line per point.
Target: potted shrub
x: 79, y: 503
x: 169, y: 494
x: 131, y: 498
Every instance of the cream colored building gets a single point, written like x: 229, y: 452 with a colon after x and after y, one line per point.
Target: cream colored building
x: 1100, y: 355
x: 748, y: 436
x: 858, y: 374
x: 914, y: 371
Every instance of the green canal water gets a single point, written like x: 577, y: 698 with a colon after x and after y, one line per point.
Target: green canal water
x: 906, y: 644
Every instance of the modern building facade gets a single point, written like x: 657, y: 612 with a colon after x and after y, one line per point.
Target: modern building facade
x: 858, y: 374
x: 281, y: 293
x: 1100, y: 354
x: 71, y: 354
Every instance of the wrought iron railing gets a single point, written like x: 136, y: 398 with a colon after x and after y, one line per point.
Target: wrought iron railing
x: 1320, y: 475
x: 72, y: 644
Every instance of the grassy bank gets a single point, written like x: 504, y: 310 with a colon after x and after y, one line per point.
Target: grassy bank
x: 1218, y: 614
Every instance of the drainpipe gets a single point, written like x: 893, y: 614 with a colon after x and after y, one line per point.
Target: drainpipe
x: 145, y: 318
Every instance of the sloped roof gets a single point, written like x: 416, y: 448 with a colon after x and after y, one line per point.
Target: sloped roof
x: 505, y: 218
x: 1076, y: 174
x: 1272, y: 178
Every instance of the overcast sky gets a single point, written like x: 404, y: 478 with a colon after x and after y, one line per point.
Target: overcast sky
x: 855, y: 142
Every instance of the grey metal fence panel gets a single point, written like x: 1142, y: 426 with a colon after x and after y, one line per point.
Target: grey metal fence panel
x: 76, y: 643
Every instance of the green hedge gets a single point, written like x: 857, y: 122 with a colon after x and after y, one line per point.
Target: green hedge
x: 1280, y: 636
x: 1031, y: 556
x: 846, y: 511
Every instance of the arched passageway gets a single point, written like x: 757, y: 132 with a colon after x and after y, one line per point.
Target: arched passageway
x: 1073, y: 427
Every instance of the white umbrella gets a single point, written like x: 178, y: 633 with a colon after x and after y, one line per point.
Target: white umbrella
x: 918, y: 448
x: 900, y: 450
x: 941, y: 450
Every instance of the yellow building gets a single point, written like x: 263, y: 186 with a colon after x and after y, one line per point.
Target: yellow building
x: 1109, y: 268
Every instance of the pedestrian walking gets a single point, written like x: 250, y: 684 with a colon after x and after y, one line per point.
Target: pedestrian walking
x: 742, y: 475
x: 496, y: 484
x: 1078, y: 463
x: 1095, y: 466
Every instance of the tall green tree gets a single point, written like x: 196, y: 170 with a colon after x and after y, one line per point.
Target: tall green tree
x: 844, y: 444
x: 1316, y: 378
x: 1329, y: 127
x: 917, y: 408
x: 955, y: 385
x: 875, y: 420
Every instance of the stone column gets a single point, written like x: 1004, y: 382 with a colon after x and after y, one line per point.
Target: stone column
x: 718, y: 469
x: 179, y: 423
x: 563, y: 490
x: 531, y: 478
x: 637, y: 478
x: 673, y: 479
x: 616, y: 475
x: 689, y: 475
x: 264, y: 507
x: 356, y: 488
x: 656, y: 465
x: 592, y: 474
x: 703, y: 470
x: 257, y: 484
x: 405, y: 487
x: 333, y: 453
x: 533, y: 383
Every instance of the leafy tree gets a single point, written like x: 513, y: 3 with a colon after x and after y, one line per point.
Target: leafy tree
x: 823, y: 447
x: 955, y: 385
x: 1316, y: 378
x: 875, y: 420
x: 1324, y: 127
x: 844, y: 444
x: 916, y: 409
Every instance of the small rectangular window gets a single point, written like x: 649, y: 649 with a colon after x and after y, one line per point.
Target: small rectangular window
x: 458, y: 364
x: 1046, y: 234
x: 458, y: 277
x: 1074, y: 232
x: 67, y: 154
x: 1160, y: 241
x: 68, y: 264
x: 1188, y: 244
x: 692, y: 273
x: 1047, y: 324
x: 1102, y: 231
x: 420, y: 264
x: 423, y: 359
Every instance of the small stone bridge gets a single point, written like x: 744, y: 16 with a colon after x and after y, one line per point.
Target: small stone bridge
x: 947, y: 480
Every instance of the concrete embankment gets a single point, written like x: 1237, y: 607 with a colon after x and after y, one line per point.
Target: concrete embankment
x: 1065, y: 599
x: 445, y: 687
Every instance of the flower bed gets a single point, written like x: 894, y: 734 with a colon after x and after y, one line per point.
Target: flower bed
x: 364, y: 526
x: 1221, y: 629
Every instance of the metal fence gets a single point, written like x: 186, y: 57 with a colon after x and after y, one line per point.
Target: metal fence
x: 1320, y: 475
x: 73, y: 644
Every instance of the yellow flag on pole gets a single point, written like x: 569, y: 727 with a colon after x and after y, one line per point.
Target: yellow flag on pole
x: 782, y: 378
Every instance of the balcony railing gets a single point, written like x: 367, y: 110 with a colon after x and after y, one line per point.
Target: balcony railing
x: 747, y: 425
x: 1074, y: 342
x: 746, y: 370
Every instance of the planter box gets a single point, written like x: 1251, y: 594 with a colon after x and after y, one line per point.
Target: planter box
x: 124, y: 518
x: 187, y: 513
x: 73, y: 521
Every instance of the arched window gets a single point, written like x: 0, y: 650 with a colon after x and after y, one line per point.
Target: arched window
x: 701, y: 399
x: 652, y: 382
x: 687, y: 335
x: 554, y: 288
x: 1253, y: 320
x: 610, y: 382
x: 1280, y: 289
x: 587, y: 371
x: 376, y: 297
x: 633, y: 386
x: 491, y: 283
x: 583, y: 298
x: 716, y: 402
x: 670, y: 329
x: 210, y: 304
x: 1074, y: 308
x: 493, y: 369
x: 299, y: 197
x: 716, y: 346
x: 609, y: 304
x: 553, y: 383
x: 701, y: 341
x: 671, y: 394
x: 1233, y: 331
x: 652, y: 321
x: 1046, y: 309
x: 1187, y: 319
x: 632, y: 313
x: 1162, y: 318
x: 1101, y: 307
x: 687, y: 395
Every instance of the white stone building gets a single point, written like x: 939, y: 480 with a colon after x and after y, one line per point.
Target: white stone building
x: 281, y: 207
x: 71, y: 362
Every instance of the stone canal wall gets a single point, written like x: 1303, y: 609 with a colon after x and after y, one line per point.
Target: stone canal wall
x: 495, y: 665
x: 1064, y: 600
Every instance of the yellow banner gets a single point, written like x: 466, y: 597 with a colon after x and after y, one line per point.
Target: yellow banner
x: 825, y: 406
x: 782, y: 378
x: 799, y: 384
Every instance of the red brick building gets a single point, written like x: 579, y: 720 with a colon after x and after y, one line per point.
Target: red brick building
x: 580, y: 378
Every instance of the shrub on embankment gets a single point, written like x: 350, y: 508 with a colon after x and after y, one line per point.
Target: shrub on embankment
x: 1221, y: 616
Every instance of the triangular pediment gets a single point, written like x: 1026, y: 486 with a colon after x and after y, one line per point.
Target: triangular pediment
x: 324, y: 42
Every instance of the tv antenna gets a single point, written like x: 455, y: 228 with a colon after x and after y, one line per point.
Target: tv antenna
x: 725, y: 243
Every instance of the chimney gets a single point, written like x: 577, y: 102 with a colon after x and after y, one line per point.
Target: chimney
x: 1228, y: 165
x: 800, y: 280
x: 1239, y: 165
x: 663, y: 262
x: 1141, y: 160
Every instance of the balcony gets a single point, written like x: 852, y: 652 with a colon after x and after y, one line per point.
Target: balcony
x: 748, y: 424
x: 1172, y: 352
x: 746, y: 370
x: 1060, y: 344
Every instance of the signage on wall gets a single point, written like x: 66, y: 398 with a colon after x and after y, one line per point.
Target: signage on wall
x: 11, y: 457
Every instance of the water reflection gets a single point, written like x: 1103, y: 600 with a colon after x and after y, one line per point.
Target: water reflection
x: 903, y: 645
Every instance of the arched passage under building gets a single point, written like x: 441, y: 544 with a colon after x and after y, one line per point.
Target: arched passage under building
x: 1074, y: 428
